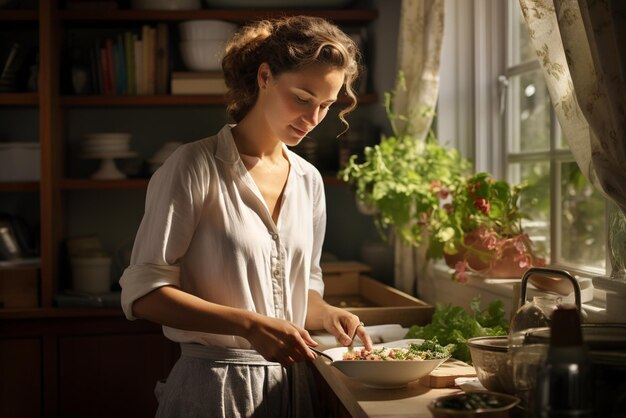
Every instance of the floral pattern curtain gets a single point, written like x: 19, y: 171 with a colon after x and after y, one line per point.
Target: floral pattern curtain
x: 580, y: 44
x: 419, y: 52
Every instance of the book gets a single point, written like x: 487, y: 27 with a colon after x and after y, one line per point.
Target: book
x: 110, y: 64
x: 198, y: 82
x: 129, y: 51
x: 162, y: 58
x: 138, y: 43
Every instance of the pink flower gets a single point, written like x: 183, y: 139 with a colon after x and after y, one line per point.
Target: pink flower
x: 483, y: 205
x: 491, y: 243
x: 460, y: 274
x: 443, y: 193
x: 524, y: 262
x: 520, y: 246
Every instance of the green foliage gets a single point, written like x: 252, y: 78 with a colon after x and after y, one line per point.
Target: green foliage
x: 402, y: 176
x: 453, y: 325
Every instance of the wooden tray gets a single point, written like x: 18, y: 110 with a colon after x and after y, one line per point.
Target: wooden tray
x: 374, y: 302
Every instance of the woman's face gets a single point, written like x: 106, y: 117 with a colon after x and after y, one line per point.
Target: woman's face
x: 296, y: 102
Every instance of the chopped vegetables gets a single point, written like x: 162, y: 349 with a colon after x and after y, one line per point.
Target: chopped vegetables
x: 428, y: 350
x: 453, y: 325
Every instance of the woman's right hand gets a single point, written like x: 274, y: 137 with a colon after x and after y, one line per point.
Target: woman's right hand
x: 279, y: 340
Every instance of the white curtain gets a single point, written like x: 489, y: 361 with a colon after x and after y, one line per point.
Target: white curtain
x: 419, y: 51
x: 581, y: 47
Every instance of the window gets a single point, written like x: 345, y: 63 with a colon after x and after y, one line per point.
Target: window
x: 566, y: 213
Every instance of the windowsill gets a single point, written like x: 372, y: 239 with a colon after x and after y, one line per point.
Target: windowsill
x: 440, y: 288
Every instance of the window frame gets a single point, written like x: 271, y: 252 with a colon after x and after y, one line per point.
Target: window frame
x: 477, y: 37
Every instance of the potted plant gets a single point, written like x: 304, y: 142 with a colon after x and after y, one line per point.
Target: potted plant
x: 423, y: 191
x: 402, y: 179
x: 480, y: 229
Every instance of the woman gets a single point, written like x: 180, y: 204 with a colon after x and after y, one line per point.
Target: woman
x: 227, y: 255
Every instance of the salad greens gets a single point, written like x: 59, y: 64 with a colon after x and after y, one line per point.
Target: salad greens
x: 427, y: 350
x: 454, y: 325
x: 431, y: 349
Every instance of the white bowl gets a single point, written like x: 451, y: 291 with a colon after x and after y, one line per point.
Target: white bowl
x: 203, y: 55
x: 385, y: 374
x: 166, y: 4
x: 193, y: 30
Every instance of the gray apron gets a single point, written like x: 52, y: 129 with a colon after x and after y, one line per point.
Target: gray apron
x: 217, y: 382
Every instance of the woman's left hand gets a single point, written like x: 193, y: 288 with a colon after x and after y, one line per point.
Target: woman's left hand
x: 339, y: 322
x: 345, y: 326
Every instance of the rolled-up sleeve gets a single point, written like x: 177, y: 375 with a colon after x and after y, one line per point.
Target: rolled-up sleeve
x: 174, y: 201
x: 139, y: 280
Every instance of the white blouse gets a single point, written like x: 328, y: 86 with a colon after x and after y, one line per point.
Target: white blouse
x: 207, y: 230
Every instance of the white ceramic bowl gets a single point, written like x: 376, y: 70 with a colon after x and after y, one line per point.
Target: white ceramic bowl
x: 166, y: 4
x: 194, y: 30
x: 385, y: 374
x: 202, y: 55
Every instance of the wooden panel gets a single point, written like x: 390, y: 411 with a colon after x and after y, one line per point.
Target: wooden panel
x: 403, y: 315
x: 329, y: 403
x: 341, y: 284
x: 344, y: 267
x: 20, y: 378
x: 112, y: 375
x: 386, y: 295
x: 239, y: 16
x: 19, y: 287
x: 50, y: 140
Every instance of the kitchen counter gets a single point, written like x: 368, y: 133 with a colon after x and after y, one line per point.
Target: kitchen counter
x: 361, y: 401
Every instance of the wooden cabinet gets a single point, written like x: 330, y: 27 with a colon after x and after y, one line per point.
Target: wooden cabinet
x: 21, y: 384
x: 60, y: 116
x: 80, y: 363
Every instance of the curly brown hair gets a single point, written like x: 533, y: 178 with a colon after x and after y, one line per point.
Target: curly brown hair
x: 285, y: 44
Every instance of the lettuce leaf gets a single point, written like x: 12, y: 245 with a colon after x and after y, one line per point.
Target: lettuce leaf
x: 454, y: 325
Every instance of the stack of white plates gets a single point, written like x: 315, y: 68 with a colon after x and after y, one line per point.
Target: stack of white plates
x: 105, y: 144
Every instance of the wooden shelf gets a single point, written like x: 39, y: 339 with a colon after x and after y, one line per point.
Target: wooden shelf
x: 23, y: 15
x: 19, y: 186
x: 31, y: 313
x: 167, y: 100
x: 19, y: 99
x: 137, y: 184
x: 345, y: 16
x: 89, y: 184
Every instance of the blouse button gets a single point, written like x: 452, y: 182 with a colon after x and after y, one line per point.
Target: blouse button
x: 276, y: 273
x: 274, y: 236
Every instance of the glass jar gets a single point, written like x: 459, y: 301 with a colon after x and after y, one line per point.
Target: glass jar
x: 527, y: 358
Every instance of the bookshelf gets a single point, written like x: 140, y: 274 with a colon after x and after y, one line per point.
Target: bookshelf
x: 55, y: 105
x: 72, y: 360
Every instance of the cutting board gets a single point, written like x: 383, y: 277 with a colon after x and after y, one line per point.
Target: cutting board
x: 444, y: 375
